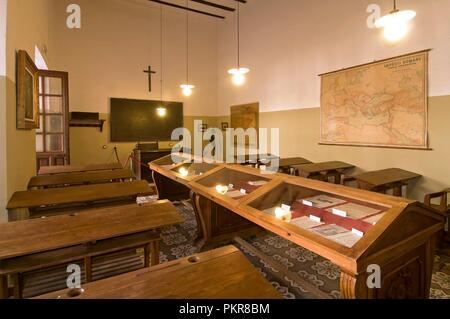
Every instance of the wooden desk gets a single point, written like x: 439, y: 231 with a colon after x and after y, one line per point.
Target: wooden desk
x: 286, y: 164
x: 323, y: 170
x: 49, y: 170
x: 42, y: 243
x: 70, y: 179
x: 223, y: 273
x: 383, y: 180
x: 23, y: 204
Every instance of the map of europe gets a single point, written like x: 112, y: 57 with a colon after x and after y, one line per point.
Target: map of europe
x: 379, y: 104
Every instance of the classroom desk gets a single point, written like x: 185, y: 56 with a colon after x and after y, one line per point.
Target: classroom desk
x: 49, y: 170
x: 70, y: 179
x: 286, y: 164
x: 323, y: 170
x: 383, y: 180
x: 43, y: 243
x: 22, y: 205
x: 223, y: 273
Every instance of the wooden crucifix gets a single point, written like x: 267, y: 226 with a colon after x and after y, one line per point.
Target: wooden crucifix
x: 150, y: 73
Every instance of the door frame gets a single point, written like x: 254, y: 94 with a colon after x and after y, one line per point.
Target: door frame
x: 65, y: 104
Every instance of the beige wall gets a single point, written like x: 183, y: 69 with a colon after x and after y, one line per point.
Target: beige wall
x: 27, y: 28
x: 118, y: 39
x: 299, y: 39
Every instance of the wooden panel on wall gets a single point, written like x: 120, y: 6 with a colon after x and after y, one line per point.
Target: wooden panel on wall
x: 246, y: 116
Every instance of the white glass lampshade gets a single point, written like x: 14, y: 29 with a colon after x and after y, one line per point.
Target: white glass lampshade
x: 395, y: 24
x: 187, y: 89
x: 161, y: 111
x: 238, y: 75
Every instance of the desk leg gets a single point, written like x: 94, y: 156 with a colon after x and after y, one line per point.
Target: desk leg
x: 18, y: 286
x: 155, y: 252
x: 147, y: 252
x: 352, y: 287
x: 4, y: 292
x: 88, y: 268
x: 398, y: 190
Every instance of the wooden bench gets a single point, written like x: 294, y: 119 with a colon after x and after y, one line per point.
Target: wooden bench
x: 50, y: 170
x: 71, y: 179
x: 45, y: 202
x: 223, y: 273
x: 37, y: 244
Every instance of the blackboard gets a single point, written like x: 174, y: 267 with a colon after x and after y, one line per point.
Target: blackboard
x: 138, y: 120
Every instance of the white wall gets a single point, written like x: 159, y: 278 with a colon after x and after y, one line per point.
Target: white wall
x: 287, y: 43
x: 118, y: 39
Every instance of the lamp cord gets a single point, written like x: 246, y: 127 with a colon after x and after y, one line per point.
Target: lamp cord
x: 239, y: 35
x: 187, y: 42
x: 161, y: 37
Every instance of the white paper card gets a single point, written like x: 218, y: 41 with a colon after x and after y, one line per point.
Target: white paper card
x: 374, y: 219
x: 230, y: 186
x: 307, y: 203
x: 243, y: 191
x: 286, y: 207
x: 339, y: 212
x: 357, y: 232
x: 305, y: 222
x: 355, y: 211
x: 315, y: 218
x: 322, y: 201
x: 258, y: 183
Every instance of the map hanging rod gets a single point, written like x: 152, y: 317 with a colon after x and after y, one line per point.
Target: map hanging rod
x: 375, y: 61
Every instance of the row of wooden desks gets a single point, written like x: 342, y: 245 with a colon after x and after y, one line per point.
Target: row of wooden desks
x: 223, y: 273
x: 22, y: 205
x: 50, y: 170
x: 42, y: 243
x: 88, y: 177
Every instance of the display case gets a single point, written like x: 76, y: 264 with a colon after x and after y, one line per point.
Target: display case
x: 365, y: 234
x: 216, y: 195
x: 173, y: 173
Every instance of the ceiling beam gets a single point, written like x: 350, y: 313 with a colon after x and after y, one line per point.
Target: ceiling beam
x: 189, y: 9
x: 241, y: 1
x: 215, y: 5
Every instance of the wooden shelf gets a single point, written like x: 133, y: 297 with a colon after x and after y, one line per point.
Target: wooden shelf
x: 87, y: 123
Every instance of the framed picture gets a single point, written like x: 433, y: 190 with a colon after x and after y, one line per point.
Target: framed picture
x: 202, y: 128
x: 225, y: 126
x: 27, y: 92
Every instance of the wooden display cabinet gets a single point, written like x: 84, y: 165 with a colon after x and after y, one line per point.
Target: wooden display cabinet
x: 216, y: 210
x: 173, y: 173
x: 394, y: 234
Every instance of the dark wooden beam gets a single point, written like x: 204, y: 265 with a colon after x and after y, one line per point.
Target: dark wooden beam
x: 241, y: 1
x: 215, y: 5
x: 185, y: 8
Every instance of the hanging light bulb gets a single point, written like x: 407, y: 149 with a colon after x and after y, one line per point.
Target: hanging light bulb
x: 161, y: 111
x: 395, y: 24
x: 187, y: 88
x: 238, y: 74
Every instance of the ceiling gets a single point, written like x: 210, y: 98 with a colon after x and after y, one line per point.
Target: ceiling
x: 219, y: 9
